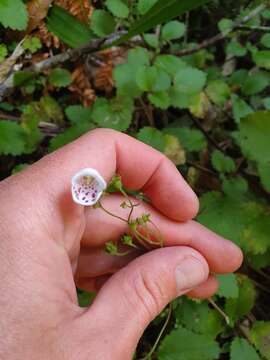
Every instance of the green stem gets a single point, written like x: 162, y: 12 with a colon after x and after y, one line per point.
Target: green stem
x: 222, y: 313
x: 111, y: 214
x: 148, y: 356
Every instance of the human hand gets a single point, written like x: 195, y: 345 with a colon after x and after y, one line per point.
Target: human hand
x: 47, y: 240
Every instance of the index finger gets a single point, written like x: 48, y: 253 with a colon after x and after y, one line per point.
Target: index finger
x: 140, y: 166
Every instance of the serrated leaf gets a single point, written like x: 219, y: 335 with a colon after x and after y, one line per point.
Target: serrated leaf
x: 238, y: 307
x: 78, y: 113
x: 102, y: 23
x: 222, y: 163
x: 219, y: 92
x: 173, y: 30
x: 241, y: 349
x: 236, y: 49
x: 12, y: 138
x: 13, y: 14
x: 68, y: 28
x: 254, y: 136
x: 191, y: 139
x: 228, y: 286
x: 183, y: 344
x: 240, y: 108
x: 174, y: 150
x: 60, y: 77
x: 125, y: 74
x: 260, y: 337
x: 199, y: 105
x: 170, y: 63
x: 198, y: 317
x: 114, y: 114
x: 190, y: 80
x: 147, y: 77
x: 160, y: 99
x: 152, y: 137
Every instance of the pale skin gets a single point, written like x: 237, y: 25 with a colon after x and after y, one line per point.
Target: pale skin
x: 49, y: 244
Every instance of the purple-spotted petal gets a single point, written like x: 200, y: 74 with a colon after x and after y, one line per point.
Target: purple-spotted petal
x: 87, y: 187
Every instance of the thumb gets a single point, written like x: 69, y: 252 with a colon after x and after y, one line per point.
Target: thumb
x: 136, y: 294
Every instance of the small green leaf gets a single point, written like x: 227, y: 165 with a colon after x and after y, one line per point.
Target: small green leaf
x: 12, y: 138
x: 222, y: 163
x: 219, y: 92
x: 225, y: 26
x: 170, y: 63
x: 173, y: 30
x: 114, y: 114
x: 152, y: 137
x: 151, y: 40
x: 228, y: 286
x: 33, y: 44
x: 190, y: 80
x: 160, y: 99
x: 78, y: 113
x: 118, y: 8
x: 147, y: 77
x: 60, y: 77
x: 241, y: 349
x: 102, y: 23
x: 241, y: 305
x: 145, y: 5
x: 198, y: 317
x: 265, y: 40
x: 260, y: 337
x: 236, y: 49
x: 191, y: 139
x: 240, y: 108
x: 256, y: 83
x: 13, y: 14
x: 183, y: 344
x: 254, y: 136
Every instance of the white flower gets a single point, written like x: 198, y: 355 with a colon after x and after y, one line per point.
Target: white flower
x: 87, y: 187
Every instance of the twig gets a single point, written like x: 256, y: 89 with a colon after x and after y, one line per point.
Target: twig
x: 221, y: 36
x: 254, y: 28
x: 207, y: 135
x: 70, y: 54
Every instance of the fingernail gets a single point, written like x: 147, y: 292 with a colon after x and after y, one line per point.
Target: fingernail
x: 189, y: 274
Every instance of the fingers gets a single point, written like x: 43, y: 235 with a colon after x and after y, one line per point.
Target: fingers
x: 109, y: 152
x: 205, y: 290
x: 135, y: 295
x: 221, y: 255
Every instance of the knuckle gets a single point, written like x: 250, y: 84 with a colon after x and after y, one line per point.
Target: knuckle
x: 149, y: 294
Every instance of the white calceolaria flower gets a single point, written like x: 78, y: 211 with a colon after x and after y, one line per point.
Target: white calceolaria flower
x: 87, y: 187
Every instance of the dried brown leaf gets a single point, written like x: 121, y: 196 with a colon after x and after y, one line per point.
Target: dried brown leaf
x: 37, y: 11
